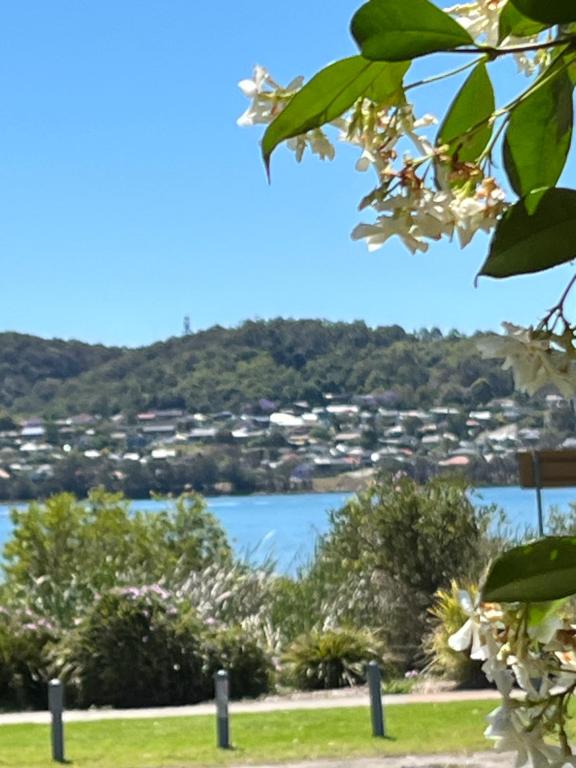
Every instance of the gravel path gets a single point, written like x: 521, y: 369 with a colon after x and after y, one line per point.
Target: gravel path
x: 320, y: 700
x: 477, y: 760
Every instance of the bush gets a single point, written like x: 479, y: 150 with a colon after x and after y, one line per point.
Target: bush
x: 249, y: 667
x: 64, y: 552
x: 449, y: 616
x: 389, y: 550
x: 333, y: 658
x: 134, y: 650
x: 25, y: 641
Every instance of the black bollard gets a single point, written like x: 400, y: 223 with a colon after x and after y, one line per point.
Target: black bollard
x: 222, y: 717
x: 376, y: 708
x: 56, y: 706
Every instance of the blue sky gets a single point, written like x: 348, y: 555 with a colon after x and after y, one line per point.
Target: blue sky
x: 129, y: 197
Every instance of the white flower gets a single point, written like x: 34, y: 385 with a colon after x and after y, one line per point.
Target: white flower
x: 479, y: 212
x: 386, y: 227
x: 268, y: 98
x: 316, y: 141
x: 532, y: 359
x: 509, y: 732
x: 377, y: 132
x: 531, y: 64
x: 481, y: 19
x: 418, y: 214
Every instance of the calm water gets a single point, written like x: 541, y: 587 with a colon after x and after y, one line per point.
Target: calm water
x: 286, y: 526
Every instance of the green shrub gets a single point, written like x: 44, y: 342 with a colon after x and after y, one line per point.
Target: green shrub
x: 388, y: 551
x: 448, y: 616
x: 25, y: 641
x: 249, y: 667
x: 134, y: 650
x: 334, y: 658
x: 64, y: 552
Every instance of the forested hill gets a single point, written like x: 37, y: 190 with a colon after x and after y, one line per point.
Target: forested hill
x: 230, y: 369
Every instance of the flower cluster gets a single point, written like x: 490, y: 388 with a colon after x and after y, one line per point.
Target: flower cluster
x: 537, y: 357
x: 480, y: 18
x: 462, y: 203
x: 148, y: 590
x: 417, y: 214
x: 268, y: 99
x: 534, y: 650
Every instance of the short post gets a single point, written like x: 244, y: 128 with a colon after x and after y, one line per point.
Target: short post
x: 56, y: 706
x: 376, y: 708
x: 222, y: 717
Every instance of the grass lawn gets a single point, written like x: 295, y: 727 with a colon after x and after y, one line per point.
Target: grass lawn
x: 258, y: 738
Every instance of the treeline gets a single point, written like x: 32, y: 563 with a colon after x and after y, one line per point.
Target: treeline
x: 223, y: 470
x: 235, y: 368
x: 210, y: 473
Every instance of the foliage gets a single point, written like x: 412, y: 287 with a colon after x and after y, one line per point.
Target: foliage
x: 88, y: 569
x: 333, y: 658
x: 238, y: 595
x: 248, y: 665
x: 141, y: 646
x: 392, y: 547
x: 421, y: 536
x: 539, y: 571
x: 134, y: 649
x: 448, y: 616
x: 25, y: 640
x: 64, y: 552
x: 231, y: 369
x: 28, y: 362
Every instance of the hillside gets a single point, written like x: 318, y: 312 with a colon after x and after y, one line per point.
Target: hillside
x: 231, y: 369
x: 29, y: 364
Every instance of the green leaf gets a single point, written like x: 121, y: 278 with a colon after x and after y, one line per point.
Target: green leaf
x: 330, y: 93
x: 539, y: 135
x: 514, y: 23
x: 396, y: 30
x: 465, y: 128
x: 536, y: 572
x: 547, y: 11
x: 537, y: 233
x: 541, y: 612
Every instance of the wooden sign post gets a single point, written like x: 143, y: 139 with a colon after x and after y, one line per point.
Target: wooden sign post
x: 546, y: 469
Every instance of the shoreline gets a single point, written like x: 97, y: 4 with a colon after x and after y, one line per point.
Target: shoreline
x: 260, y: 494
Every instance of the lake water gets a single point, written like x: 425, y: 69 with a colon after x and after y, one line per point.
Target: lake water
x: 286, y: 526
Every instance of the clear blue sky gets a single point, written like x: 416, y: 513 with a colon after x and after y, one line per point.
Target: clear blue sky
x: 129, y: 197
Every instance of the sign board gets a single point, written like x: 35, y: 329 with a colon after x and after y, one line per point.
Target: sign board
x: 547, y: 469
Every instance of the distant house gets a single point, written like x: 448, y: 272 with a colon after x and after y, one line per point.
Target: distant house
x: 30, y: 432
x: 286, y: 420
x: 159, y: 430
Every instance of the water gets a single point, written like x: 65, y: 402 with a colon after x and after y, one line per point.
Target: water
x: 286, y: 527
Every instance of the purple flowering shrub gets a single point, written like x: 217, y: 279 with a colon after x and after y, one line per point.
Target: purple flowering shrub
x: 145, y: 646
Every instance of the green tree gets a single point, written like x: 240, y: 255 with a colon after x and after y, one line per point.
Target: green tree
x: 63, y: 552
x: 390, y: 549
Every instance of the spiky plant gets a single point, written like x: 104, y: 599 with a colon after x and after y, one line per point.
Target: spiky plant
x: 331, y: 658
